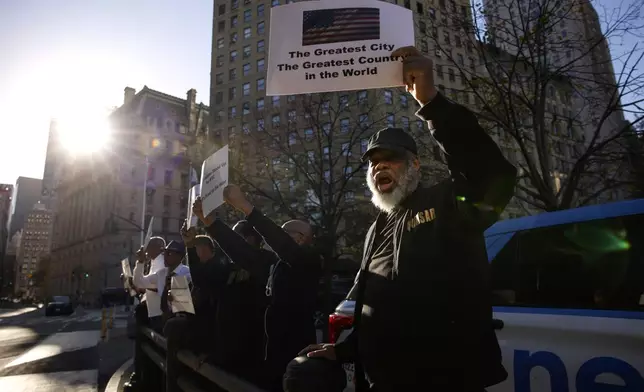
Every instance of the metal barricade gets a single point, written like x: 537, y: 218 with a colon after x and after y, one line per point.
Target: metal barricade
x: 155, y: 348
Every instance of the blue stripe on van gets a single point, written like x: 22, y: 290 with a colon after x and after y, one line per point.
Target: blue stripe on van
x: 621, y: 314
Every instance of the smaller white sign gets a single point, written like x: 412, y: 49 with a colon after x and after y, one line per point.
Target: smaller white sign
x: 332, y: 45
x: 181, y: 295
x: 127, y: 274
x: 192, y: 219
x: 214, y: 178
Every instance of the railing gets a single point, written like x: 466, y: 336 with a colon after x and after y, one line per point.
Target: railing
x: 155, y: 348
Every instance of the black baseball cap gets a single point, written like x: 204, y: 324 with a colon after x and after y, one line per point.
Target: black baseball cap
x: 176, y: 246
x: 392, y: 139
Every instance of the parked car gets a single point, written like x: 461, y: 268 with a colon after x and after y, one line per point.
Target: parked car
x: 569, y: 298
x: 59, y: 305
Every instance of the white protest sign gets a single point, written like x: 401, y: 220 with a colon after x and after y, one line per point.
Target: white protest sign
x: 148, y: 235
x: 127, y: 274
x: 181, y: 295
x: 327, y: 45
x: 195, y: 191
x: 214, y: 178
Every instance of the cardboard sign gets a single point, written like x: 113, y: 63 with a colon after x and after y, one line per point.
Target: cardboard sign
x: 328, y: 45
x: 214, y: 178
x: 192, y: 219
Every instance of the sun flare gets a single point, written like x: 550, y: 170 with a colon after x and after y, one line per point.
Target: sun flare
x: 84, y: 135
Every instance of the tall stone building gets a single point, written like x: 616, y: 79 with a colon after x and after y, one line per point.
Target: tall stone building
x: 54, y: 162
x: 98, y: 220
x: 34, y: 246
x: 6, y: 266
x: 300, y: 154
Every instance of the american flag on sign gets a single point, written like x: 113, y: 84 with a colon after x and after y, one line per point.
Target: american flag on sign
x: 340, y: 25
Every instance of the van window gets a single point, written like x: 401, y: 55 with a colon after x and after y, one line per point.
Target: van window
x: 595, y: 265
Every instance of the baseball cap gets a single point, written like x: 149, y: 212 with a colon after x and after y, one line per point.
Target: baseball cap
x: 176, y: 246
x: 392, y: 139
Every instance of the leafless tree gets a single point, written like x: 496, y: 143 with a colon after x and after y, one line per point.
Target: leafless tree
x: 540, y: 77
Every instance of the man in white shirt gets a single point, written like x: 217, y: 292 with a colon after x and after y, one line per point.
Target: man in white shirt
x: 160, y: 280
x: 154, y: 253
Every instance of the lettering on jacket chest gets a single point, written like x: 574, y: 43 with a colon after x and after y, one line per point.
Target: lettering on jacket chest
x: 420, y: 218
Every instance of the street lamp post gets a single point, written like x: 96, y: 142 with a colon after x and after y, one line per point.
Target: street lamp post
x: 145, y: 198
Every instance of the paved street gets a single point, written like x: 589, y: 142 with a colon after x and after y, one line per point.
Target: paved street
x: 39, y: 353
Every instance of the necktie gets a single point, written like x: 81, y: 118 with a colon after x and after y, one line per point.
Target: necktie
x: 165, y: 308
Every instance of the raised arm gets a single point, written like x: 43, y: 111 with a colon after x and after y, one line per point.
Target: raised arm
x: 482, y: 176
x: 142, y: 281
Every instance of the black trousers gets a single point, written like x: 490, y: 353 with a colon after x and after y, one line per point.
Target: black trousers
x: 147, y: 374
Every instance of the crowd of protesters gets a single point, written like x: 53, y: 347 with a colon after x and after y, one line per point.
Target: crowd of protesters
x: 423, y: 318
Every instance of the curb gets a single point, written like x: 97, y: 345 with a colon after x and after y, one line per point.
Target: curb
x: 115, y: 381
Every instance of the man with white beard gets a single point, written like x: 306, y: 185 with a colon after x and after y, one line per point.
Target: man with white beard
x: 423, y: 318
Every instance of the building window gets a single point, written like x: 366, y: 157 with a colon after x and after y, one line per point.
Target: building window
x: 245, y: 128
x: 348, y: 171
x: 221, y: 26
x: 308, y: 134
x: 292, y: 138
x: 260, y: 46
x: 246, y: 69
x: 364, y: 144
x: 260, y: 124
x: 219, y: 78
x: 260, y: 84
x: 362, y: 97
x: 391, y: 120
x: 246, y: 108
x: 275, y: 101
x: 232, y: 74
x: 260, y: 28
x: 247, y: 33
x: 234, y: 4
x: 220, y: 60
x: 260, y: 11
x: 325, y: 107
x: 233, y: 38
x: 346, y: 149
x: 247, y: 16
x: 326, y: 129
x: 344, y: 125
x: 290, y: 98
x: 275, y: 121
x: 260, y: 104
x: 404, y: 101
x: 220, y: 43
x: 452, y: 76
x: 233, y: 21
x: 232, y: 112
x: 222, y: 10
x: 246, y: 89
x: 246, y: 51
x: 233, y: 56
x: 388, y: 97
x: 363, y: 121
x: 275, y: 3
x: 344, y: 101
x: 439, y: 71
x: 165, y: 225
x: 292, y: 116
x: 232, y: 93
x: 404, y: 122
x: 260, y: 65
x: 219, y: 97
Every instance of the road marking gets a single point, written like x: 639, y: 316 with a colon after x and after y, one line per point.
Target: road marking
x: 13, y: 313
x: 78, y: 381
x: 58, y: 343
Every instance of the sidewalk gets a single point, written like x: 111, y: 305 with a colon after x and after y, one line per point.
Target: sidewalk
x: 113, y: 354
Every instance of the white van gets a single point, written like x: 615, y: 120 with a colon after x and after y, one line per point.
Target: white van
x: 569, y: 304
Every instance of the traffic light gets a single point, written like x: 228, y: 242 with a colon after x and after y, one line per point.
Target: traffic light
x: 86, y: 275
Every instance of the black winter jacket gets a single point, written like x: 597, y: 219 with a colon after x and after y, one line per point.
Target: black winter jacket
x: 292, y: 290
x: 241, y: 298
x: 439, y: 332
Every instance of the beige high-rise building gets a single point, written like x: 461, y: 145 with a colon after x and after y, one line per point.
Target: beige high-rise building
x: 99, y: 215
x: 34, y: 245
x: 302, y: 152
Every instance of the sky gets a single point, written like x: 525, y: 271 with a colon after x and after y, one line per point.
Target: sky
x: 65, y: 57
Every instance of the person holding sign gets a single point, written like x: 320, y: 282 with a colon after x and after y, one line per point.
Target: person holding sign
x: 423, y: 318
x: 292, y: 285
